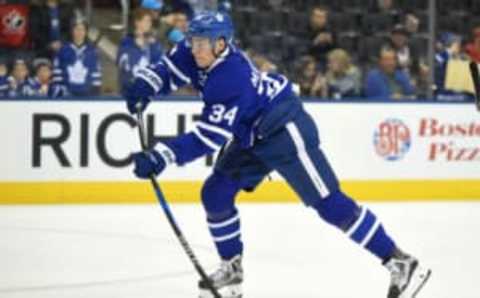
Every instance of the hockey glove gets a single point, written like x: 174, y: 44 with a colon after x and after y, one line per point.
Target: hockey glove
x: 138, y: 96
x: 148, y: 163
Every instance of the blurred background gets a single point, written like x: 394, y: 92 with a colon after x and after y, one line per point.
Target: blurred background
x: 332, y: 50
x: 387, y: 82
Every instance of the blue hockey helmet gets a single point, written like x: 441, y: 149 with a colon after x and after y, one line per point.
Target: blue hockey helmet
x: 211, y: 24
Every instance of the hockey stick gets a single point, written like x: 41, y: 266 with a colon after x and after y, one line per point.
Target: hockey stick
x: 166, y: 209
x: 476, y: 82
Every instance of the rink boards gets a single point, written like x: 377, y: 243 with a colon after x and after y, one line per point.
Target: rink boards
x: 79, y: 152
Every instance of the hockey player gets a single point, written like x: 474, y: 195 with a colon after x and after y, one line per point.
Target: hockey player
x: 252, y: 114
x: 77, y: 66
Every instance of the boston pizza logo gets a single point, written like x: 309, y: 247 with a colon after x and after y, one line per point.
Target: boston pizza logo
x: 392, y: 139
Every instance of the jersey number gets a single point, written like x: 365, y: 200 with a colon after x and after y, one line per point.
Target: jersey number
x: 266, y: 85
x: 220, y: 113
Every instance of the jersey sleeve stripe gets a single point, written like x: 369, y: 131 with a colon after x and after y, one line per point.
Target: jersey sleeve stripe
x: 167, y: 153
x: 176, y: 71
x: 215, y: 129
x: 205, y: 140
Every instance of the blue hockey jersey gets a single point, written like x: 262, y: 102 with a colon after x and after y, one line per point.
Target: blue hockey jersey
x: 4, y: 86
x: 77, y: 69
x: 34, y: 88
x: 132, y: 57
x: 21, y: 88
x: 236, y: 96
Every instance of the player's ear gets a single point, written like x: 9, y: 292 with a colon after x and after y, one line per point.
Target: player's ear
x: 220, y: 45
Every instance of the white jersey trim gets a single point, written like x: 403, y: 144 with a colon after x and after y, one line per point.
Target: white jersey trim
x: 306, y: 161
x: 176, y: 71
x: 148, y: 75
x: 206, y: 140
x: 167, y: 154
x: 225, y: 133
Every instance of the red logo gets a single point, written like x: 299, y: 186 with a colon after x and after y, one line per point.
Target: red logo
x: 392, y: 139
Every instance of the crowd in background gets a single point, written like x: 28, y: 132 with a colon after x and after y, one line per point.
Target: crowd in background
x: 45, y: 51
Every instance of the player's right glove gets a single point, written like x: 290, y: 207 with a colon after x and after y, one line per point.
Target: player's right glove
x: 138, y: 96
x: 148, y: 163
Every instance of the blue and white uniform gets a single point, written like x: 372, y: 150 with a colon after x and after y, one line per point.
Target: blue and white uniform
x: 131, y: 58
x: 254, y: 113
x: 77, y: 70
x: 4, y: 86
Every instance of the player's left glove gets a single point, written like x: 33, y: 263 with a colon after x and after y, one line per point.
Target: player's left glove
x: 148, y: 163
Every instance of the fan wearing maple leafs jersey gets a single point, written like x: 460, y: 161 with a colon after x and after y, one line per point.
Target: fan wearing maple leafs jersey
x: 138, y: 49
x: 77, y: 70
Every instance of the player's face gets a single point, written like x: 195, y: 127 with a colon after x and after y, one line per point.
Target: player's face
x: 203, y: 51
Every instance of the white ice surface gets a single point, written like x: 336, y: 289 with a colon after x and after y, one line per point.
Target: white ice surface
x: 129, y: 251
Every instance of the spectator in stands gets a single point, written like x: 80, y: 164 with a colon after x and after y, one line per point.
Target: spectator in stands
x: 50, y: 26
x: 77, y: 69
x: 321, y: 35
x: 407, y: 54
x: 383, y: 6
x: 172, y: 26
x: 311, y: 82
x: 473, y: 48
x: 39, y: 85
x: 138, y: 49
x: 19, y: 78
x: 387, y: 81
x: 4, y: 78
x: 451, y: 45
x: 412, y: 23
x: 343, y: 78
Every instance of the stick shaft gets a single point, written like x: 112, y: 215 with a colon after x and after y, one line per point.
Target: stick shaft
x: 476, y: 82
x: 171, y: 219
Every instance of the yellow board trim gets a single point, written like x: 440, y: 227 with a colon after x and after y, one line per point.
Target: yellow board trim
x: 268, y: 192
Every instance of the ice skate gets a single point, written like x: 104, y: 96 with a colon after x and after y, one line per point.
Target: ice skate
x: 407, y: 277
x: 227, y: 280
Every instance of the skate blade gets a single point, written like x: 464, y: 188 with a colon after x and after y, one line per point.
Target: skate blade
x: 418, y: 280
x: 233, y: 291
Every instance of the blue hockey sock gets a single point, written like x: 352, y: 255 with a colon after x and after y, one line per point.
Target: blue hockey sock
x: 218, y: 196
x: 227, y: 235
x: 360, y: 224
x: 368, y: 232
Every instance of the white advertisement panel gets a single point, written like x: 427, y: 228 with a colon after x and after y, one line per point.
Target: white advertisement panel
x: 92, y: 141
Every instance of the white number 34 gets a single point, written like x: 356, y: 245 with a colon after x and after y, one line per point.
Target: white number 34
x: 220, y: 113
